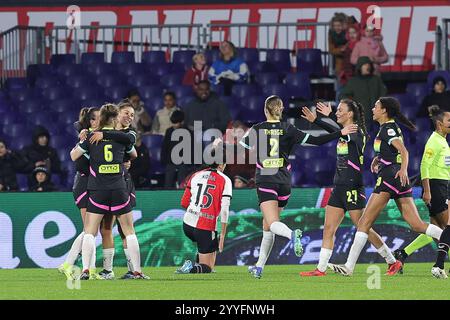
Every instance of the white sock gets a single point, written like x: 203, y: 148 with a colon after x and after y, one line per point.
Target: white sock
x: 87, y: 251
x: 433, y: 231
x: 108, y: 256
x: 266, y: 246
x: 324, y: 258
x: 127, y: 255
x: 94, y: 257
x: 358, y: 244
x: 75, y: 249
x: 133, y: 250
x: 386, y: 253
x: 280, y: 229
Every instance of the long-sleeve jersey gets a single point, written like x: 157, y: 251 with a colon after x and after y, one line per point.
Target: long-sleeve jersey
x: 350, y: 156
x: 273, y: 141
x: 436, y: 158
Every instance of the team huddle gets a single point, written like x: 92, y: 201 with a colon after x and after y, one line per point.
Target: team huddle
x: 104, y: 191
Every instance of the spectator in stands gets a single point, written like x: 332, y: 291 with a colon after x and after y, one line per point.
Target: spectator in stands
x: 365, y: 87
x: 371, y: 46
x: 41, y: 181
x: 207, y: 108
x: 439, y: 97
x: 40, y: 154
x: 142, y: 121
x: 353, y: 36
x: 10, y: 164
x: 242, y: 182
x: 337, y: 41
x: 140, y: 166
x: 229, y: 69
x: 198, y: 72
x: 174, y: 172
x: 162, y: 118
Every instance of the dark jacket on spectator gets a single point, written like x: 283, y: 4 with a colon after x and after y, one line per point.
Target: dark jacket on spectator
x: 34, y: 153
x: 140, y: 167
x: 365, y: 89
x: 440, y: 99
x: 45, y: 186
x: 10, y: 164
x: 212, y: 112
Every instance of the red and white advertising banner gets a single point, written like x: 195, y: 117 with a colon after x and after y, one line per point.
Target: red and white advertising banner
x: 408, y: 27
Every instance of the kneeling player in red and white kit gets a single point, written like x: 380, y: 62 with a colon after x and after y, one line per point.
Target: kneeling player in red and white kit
x: 206, y: 197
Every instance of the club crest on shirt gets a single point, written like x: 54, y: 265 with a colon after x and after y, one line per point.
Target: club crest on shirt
x: 391, y: 132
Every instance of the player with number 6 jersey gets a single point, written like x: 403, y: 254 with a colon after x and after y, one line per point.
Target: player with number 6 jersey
x: 207, y: 196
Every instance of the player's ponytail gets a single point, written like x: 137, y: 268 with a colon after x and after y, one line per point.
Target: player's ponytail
x: 392, y: 107
x: 85, y: 117
x: 358, y: 114
x: 108, y: 112
x: 274, y: 106
x: 436, y: 114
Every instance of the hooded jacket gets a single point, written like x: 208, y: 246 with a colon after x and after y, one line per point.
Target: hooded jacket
x: 365, y: 89
x: 370, y: 47
x: 10, y: 164
x: 45, y: 186
x: 34, y: 152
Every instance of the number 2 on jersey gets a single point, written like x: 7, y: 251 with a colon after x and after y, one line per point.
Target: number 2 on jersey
x: 274, y: 143
x: 108, y: 153
x: 353, y: 193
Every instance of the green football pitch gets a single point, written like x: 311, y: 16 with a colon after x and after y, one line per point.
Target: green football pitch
x: 278, y: 282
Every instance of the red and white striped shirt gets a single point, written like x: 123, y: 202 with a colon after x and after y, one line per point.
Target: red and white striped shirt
x: 203, y: 198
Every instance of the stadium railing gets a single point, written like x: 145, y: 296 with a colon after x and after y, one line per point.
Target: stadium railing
x: 442, y: 40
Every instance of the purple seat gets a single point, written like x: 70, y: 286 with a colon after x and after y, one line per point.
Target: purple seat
x: 16, y: 130
x: 182, y: 91
x: 62, y: 105
x: 159, y: 69
x: 16, y: 83
x: 423, y: 125
x: 46, y: 82
x: 119, y: 57
x: 263, y: 79
x: 170, y: 80
x: 262, y: 67
x: 20, y: 95
x: 152, y: 141
x: 154, y: 57
x: 153, y: 105
x: 144, y: 79
x: 310, y: 61
x: 414, y: 165
x: 21, y: 141
x: 183, y: 57
x: 404, y: 99
x: 22, y: 181
x: 324, y: 178
x: 183, y: 101
x: 211, y: 56
x: 150, y: 92
x: 54, y: 93
x: 438, y: 73
x: 68, y: 118
x: 252, y: 109
x: 70, y: 70
x: 249, y: 55
x: 417, y: 91
x: 116, y: 93
x: 60, y: 59
x: 296, y: 178
x: 130, y: 69
x: 298, y: 85
x: 277, y: 89
x: 280, y: 58
x: 62, y: 142
x: 108, y: 80
x: 100, y: 68
x: 368, y: 178
x: 156, y: 167
x: 59, y: 141
x: 177, y: 68
x: 9, y: 119
x: 42, y: 119
x: 85, y: 93
x: 77, y: 81
x: 308, y: 153
x: 92, y: 58
x: 30, y: 106
x: 233, y: 106
x: 244, y: 90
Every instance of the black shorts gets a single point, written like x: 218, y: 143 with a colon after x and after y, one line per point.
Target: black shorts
x: 131, y: 189
x: 386, y: 182
x: 206, y: 240
x: 439, y: 196
x: 274, y: 191
x: 348, y: 198
x: 115, y: 202
x: 79, y: 190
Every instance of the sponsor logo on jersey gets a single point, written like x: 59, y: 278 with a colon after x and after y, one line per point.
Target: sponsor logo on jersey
x: 391, y: 132
x: 109, y: 168
x: 273, y: 163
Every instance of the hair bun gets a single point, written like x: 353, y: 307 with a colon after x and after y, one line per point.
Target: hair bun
x: 433, y: 110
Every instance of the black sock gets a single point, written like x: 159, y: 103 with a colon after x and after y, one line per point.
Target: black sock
x: 443, y: 247
x: 201, y: 268
x: 197, y: 258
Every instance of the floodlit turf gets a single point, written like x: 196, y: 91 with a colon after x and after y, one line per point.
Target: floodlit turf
x: 278, y: 282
